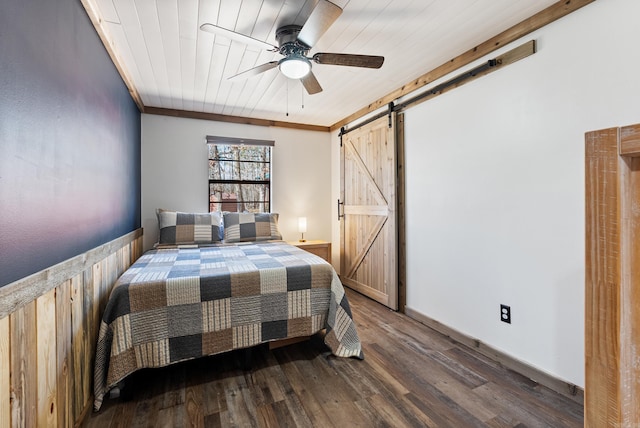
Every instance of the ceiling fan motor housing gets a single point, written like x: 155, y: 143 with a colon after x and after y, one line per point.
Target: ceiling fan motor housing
x: 295, y: 42
x: 288, y: 42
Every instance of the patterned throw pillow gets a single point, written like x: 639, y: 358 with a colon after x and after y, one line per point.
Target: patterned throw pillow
x: 177, y: 228
x: 242, y: 227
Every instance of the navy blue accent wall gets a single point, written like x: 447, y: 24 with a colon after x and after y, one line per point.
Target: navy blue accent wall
x: 69, y: 139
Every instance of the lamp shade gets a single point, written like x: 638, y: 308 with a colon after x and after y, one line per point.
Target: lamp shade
x: 295, y: 66
x: 302, y: 224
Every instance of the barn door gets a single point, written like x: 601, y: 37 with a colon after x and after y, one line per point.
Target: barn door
x: 368, y: 249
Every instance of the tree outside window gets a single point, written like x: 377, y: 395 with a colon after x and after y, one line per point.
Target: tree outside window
x: 239, y: 175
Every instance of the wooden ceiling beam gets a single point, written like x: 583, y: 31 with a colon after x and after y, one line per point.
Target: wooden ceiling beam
x: 539, y: 20
x: 233, y: 119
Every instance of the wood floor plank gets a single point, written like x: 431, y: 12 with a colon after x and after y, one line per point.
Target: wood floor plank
x: 457, y: 370
x: 174, y: 393
x: 304, y: 390
x: 409, y: 407
x: 430, y: 372
x: 269, y: 383
x: 123, y: 415
x: 146, y: 414
x: 392, y: 412
x: 551, y: 408
x: 283, y: 415
x: 379, y: 371
x: 501, y: 422
x: 376, y: 417
x: 214, y: 399
x: 167, y: 417
x: 213, y: 421
x: 464, y: 397
x: 194, y: 409
x: 411, y: 376
x: 267, y: 415
x: 238, y: 411
x: 148, y: 408
x: 440, y: 412
x: 498, y: 400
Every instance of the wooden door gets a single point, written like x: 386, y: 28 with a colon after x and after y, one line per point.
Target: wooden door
x: 368, y: 252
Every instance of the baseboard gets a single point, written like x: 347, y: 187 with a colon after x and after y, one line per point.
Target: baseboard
x: 569, y: 390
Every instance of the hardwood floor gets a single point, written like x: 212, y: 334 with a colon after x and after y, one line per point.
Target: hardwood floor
x: 411, y: 376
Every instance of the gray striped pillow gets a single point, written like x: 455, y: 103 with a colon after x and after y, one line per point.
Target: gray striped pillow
x: 243, y: 227
x: 177, y: 228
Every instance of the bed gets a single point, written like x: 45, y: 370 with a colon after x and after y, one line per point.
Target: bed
x: 190, y: 298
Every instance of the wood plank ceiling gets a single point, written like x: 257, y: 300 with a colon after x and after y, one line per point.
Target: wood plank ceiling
x: 171, y: 64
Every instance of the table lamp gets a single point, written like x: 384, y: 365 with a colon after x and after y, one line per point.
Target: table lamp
x: 302, y: 227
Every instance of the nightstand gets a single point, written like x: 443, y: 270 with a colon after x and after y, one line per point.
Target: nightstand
x: 317, y: 247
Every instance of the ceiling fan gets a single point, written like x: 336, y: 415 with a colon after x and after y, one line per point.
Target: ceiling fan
x: 295, y: 42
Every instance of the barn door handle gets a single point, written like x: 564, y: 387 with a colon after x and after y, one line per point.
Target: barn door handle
x: 340, y: 215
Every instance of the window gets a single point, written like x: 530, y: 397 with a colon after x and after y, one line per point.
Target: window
x: 239, y: 174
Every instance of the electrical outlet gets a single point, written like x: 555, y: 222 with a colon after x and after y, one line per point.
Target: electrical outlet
x: 505, y: 314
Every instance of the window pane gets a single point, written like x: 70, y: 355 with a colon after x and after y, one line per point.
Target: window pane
x: 238, y: 197
x: 247, y: 153
x: 239, y: 162
x: 238, y: 170
x: 229, y: 167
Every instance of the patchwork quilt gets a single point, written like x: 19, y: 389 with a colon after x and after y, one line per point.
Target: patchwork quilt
x: 176, y: 304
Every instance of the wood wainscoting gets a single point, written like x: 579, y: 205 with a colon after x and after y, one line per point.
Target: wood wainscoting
x: 48, y: 329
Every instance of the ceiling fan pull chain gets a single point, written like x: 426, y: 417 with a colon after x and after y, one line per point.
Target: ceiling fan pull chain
x: 302, y: 95
x: 287, y: 97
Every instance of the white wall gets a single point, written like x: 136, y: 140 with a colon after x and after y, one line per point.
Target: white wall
x: 495, y: 187
x: 174, y: 172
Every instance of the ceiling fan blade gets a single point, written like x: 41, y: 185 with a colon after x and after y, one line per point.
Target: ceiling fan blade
x: 311, y: 84
x: 367, y: 61
x: 254, y: 71
x: 210, y: 28
x: 321, y: 18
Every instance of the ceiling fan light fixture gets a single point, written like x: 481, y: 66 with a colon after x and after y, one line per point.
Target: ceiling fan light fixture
x: 295, y: 66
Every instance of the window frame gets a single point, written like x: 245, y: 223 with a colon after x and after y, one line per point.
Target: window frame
x: 231, y: 141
